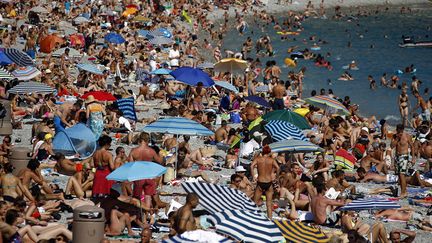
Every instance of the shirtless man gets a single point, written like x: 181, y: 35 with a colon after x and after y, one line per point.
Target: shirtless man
x: 339, y: 183
x: 402, y: 142
x: 249, y: 113
x: 319, y: 207
x: 221, y: 134
x: 266, y: 167
x: 119, y: 221
x: 278, y: 94
x: 143, y: 152
x: 184, y: 219
x: 64, y: 114
x: 421, y: 103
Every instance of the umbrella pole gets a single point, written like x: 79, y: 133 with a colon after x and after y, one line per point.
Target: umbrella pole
x: 176, y: 160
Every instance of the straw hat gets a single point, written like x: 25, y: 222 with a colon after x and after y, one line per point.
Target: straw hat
x: 90, y: 99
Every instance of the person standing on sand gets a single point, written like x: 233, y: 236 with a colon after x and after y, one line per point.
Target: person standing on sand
x: 403, y: 107
x: 402, y: 142
x: 266, y: 167
x: 423, y: 106
x: 278, y: 94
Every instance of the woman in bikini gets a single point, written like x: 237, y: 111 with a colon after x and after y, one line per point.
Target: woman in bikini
x: 403, y: 106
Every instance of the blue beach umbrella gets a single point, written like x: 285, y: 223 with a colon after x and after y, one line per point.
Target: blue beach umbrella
x: 258, y: 100
x: 294, y: 146
x: 227, y: 86
x: 89, y: 68
x: 165, y: 33
x: 20, y: 58
x: 178, y: 126
x: 192, y: 76
x: 114, y: 38
x: 4, y: 60
x: 282, y: 130
x: 135, y: 171
x: 369, y: 204
x: 161, y: 71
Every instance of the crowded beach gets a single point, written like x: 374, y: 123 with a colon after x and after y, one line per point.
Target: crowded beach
x: 128, y: 121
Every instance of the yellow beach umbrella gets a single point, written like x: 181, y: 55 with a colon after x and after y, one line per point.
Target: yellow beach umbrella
x: 302, y: 111
x: 232, y: 65
x: 129, y: 11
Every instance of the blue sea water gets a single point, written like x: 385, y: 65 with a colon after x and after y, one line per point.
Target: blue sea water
x: 385, y: 57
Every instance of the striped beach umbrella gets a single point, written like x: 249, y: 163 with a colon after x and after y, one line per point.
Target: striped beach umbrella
x: 5, y: 74
x: 161, y: 71
x: 294, y: 231
x: 72, y: 52
x: 89, y: 68
x: 345, y: 159
x: 197, y: 236
x: 217, y: 198
x: 294, y: 146
x: 31, y: 87
x: 26, y: 73
x: 370, y: 204
x: 329, y: 104
x: 160, y: 40
x: 288, y: 116
x: 246, y: 226
x: 178, y: 126
x: 282, y: 130
x: 20, y: 58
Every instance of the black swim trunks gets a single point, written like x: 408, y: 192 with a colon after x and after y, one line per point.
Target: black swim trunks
x: 264, y: 186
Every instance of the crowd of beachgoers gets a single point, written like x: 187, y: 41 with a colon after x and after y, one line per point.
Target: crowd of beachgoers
x: 137, y: 108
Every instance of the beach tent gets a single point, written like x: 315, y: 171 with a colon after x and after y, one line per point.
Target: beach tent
x: 217, y: 198
x: 78, y: 139
x: 246, y: 226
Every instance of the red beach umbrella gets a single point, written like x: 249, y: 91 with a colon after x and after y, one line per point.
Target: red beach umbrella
x: 100, y: 95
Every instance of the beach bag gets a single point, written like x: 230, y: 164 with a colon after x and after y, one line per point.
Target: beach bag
x: 235, y: 117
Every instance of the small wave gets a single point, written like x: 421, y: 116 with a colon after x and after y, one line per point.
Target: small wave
x: 392, y: 118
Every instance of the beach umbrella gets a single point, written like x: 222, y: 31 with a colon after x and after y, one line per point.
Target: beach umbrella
x: 165, y: 32
x: 161, y: 71
x: 78, y: 139
x: 345, y: 159
x: 49, y: 43
x: 262, y: 89
x: 141, y: 18
x: 328, y: 104
x: 178, y: 126
x: 80, y: 20
x: 39, y: 9
x: 217, y: 198
x: 4, y: 60
x: 205, y: 65
x: 294, y: 231
x: 369, y: 204
x: 294, y: 146
x: 129, y: 11
x: 5, y: 74
x: 72, y: 52
x: 26, y: 73
x: 192, y: 76
x: 100, y: 95
x: 282, y: 130
x: 197, y: 236
x: 246, y: 226
x: 143, y: 33
x: 227, y: 86
x: 20, y: 58
x: 160, y: 40
x: 77, y: 40
x: 114, y: 38
x: 232, y: 65
x: 302, y: 111
x: 258, y: 100
x: 91, y: 68
x: 135, y: 171
x: 288, y: 116
x: 31, y: 87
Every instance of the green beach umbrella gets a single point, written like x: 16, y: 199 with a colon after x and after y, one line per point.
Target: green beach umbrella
x: 288, y: 116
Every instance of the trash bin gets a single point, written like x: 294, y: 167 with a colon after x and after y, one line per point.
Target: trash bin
x: 88, y: 224
x: 19, y: 157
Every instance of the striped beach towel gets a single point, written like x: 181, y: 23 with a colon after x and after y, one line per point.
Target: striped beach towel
x: 127, y: 107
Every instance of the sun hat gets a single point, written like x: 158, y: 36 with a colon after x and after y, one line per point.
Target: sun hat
x: 240, y: 168
x: 48, y: 136
x: 90, y: 99
x: 365, y: 129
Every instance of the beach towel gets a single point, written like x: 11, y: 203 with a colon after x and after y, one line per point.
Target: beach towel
x: 127, y: 107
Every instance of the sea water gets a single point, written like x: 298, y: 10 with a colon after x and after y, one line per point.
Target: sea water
x: 374, y: 46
